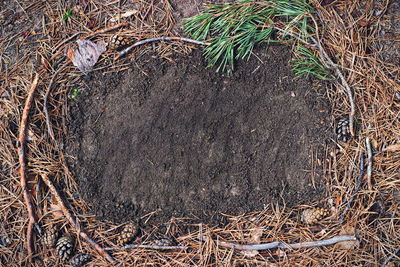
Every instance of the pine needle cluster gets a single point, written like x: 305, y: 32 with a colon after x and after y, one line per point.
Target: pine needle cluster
x: 233, y: 29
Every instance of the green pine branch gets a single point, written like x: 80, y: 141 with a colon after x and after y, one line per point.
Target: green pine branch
x: 233, y: 29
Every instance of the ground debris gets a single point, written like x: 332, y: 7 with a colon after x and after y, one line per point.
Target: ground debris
x: 87, y: 54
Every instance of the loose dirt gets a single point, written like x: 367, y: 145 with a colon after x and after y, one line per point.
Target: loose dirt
x: 183, y: 140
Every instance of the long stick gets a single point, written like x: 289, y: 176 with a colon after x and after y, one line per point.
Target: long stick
x: 329, y: 63
x: 278, y: 244
x: 163, y: 38
x: 146, y: 246
x: 22, y: 163
x: 73, y: 221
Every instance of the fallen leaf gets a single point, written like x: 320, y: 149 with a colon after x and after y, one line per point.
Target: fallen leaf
x: 87, y: 54
x: 124, y: 15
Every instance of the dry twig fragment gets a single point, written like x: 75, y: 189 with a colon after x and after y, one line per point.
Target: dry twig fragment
x: 278, y: 244
x: 73, y: 221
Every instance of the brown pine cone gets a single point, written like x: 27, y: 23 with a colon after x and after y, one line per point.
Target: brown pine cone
x: 343, y: 130
x: 162, y: 242
x: 65, y: 247
x: 49, y: 237
x: 80, y: 259
x: 313, y: 215
x: 118, y: 42
x: 128, y: 233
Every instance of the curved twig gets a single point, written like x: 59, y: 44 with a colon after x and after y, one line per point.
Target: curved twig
x: 328, y: 62
x: 163, y: 38
x: 22, y: 163
x: 73, y: 221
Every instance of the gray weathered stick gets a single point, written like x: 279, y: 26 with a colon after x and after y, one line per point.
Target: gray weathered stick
x: 147, y: 246
x: 278, y: 244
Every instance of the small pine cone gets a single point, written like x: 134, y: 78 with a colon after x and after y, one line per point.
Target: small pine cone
x: 118, y: 42
x: 80, y: 259
x: 314, y: 215
x: 162, y: 242
x: 343, y: 130
x: 65, y: 247
x: 128, y: 233
x: 50, y: 237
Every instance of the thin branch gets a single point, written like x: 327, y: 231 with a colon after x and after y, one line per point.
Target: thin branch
x: 369, y: 166
x: 358, y: 186
x: 46, y: 96
x: 328, y: 62
x: 66, y: 40
x: 278, y: 244
x: 73, y: 221
x: 146, y: 246
x: 108, y: 29
x: 22, y: 163
x: 90, y: 34
x: 331, y: 65
x: 163, y: 38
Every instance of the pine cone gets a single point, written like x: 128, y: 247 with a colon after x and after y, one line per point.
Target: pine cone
x: 65, y: 247
x: 128, y: 233
x: 118, y: 42
x: 343, y: 130
x: 162, y: 242
x: 50, y: 237
x: 314, y: 215
x: 80, y: 259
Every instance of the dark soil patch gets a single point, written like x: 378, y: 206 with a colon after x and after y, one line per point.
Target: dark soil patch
x: 187, y: 141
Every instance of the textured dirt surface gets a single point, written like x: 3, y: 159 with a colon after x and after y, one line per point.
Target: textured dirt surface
x: 187, y: 141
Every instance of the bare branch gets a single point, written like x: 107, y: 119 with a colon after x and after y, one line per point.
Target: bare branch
x: 22, y: 163
x: 163, y: 38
